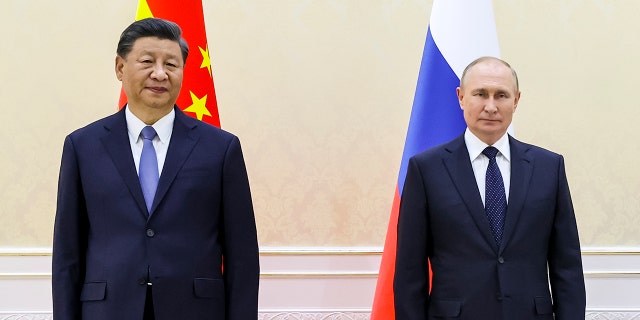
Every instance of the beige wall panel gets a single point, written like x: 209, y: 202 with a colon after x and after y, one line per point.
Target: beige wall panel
x: 578, y: 61
x: 56, y: 75
x: 319, y: 93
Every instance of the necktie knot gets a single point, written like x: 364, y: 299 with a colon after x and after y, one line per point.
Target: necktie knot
x: 148, y: 133
x: 490, y: 152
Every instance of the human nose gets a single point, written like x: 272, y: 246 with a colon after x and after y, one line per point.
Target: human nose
x: 491, y: 106
x: 159, y: 73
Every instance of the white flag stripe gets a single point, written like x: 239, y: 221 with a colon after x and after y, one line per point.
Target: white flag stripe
x: 464, y: 30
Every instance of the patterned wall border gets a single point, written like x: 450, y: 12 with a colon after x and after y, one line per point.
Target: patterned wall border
x: 25, y: 316
x: 336, y: 315
x: 301, y: 251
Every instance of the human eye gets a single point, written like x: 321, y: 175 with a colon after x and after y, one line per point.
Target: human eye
x: 172, y: 62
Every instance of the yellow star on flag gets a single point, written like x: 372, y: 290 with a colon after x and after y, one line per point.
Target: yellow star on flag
x: 199, y: 106
x: 143, y: 10
x: 206, y: 61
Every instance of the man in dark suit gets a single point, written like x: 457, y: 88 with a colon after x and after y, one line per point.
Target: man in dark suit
x: 158, y: 224
x: 498, y: 230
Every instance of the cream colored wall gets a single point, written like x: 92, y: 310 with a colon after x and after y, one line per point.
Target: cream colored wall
x: 578, y: 61
x: 320, y: 94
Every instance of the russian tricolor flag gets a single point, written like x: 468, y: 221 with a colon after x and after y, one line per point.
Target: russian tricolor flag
x: 459, y: 32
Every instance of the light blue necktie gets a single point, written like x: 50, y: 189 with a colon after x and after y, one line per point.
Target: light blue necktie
x: 148, y: 171
x: 495, y: 198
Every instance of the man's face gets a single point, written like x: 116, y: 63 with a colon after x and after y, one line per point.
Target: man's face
x: 488, y: 98
x: 151, y: 74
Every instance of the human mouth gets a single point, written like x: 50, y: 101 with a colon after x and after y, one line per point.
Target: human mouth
x: 158, y: 89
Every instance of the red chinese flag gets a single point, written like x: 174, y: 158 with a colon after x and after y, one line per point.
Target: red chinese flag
x: 198, y: 96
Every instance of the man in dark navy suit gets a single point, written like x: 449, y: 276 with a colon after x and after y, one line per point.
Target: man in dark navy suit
x: 154, y: 217
x: 492, y: 215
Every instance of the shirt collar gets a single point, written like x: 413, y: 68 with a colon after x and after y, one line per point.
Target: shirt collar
x: 163, y: 127
x: 475, y: 146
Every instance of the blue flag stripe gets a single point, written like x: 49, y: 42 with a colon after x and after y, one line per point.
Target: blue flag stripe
x: 436, y: 116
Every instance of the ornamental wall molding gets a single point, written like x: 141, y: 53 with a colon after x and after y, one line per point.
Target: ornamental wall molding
x: 336, y: 315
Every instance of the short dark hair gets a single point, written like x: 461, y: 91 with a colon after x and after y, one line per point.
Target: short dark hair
x: 487, y: 58
x: 151, y: 27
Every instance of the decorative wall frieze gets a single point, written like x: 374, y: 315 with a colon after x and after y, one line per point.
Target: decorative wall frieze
x: 25, y: 316
x: 335, y: 315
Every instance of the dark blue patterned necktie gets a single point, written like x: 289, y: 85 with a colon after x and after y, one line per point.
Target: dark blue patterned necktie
x: 148, y: 171
x: 495, y: 198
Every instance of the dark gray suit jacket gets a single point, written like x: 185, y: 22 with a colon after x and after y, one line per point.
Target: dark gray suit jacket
x: 106, y: 245
x: 535, y: 274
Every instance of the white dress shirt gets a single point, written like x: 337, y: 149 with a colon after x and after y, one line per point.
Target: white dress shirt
x: 479, y: 161
x: 163, y: 127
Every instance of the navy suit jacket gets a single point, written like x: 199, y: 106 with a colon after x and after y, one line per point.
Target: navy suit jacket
x: 107, y: 246
x: 535, y: 274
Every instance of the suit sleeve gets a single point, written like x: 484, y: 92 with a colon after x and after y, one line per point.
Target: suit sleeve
x: 240, y: 245
x: 411, y: 279
x: 69, y: 238
x: 565, y: 262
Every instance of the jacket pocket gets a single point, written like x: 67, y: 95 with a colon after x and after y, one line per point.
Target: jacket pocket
x: 543, y: 305
x: 445, y: 308
x: 208, y: 288
x: 93, y: 291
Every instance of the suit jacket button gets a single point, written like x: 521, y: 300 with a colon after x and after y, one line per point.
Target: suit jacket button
x: 142, y: 281
x: 150, y: 233
x: 500, y: 260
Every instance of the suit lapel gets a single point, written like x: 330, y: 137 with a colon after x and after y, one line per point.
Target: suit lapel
x: 521, y: 170
x: 459, y: 167
x: 116, y: 141
x: 183, y: 139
